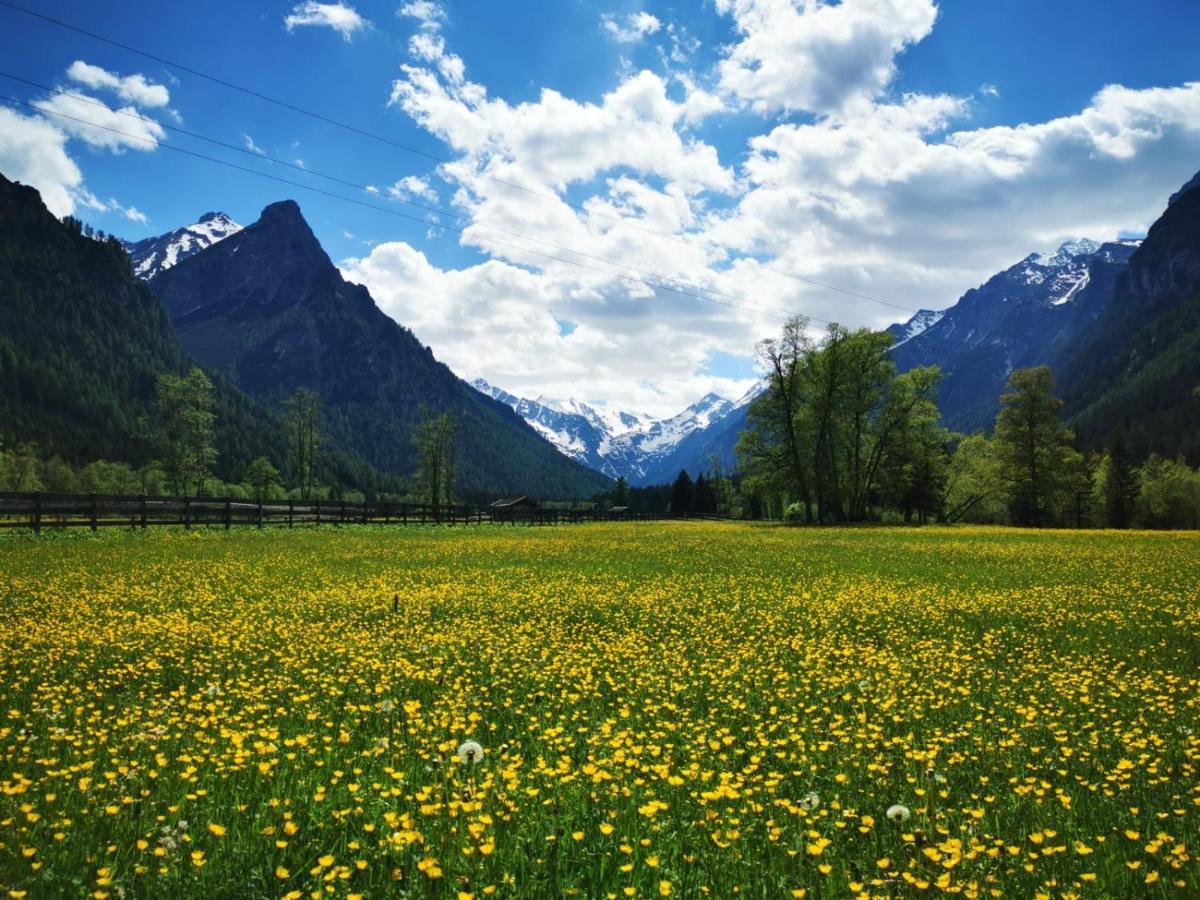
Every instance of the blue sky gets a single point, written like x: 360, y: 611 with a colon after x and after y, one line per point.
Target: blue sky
x: 900, y: 149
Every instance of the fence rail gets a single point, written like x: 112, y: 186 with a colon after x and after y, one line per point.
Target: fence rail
x: 37, y: 511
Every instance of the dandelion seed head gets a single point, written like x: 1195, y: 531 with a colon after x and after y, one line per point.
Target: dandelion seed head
x: 470, y: 752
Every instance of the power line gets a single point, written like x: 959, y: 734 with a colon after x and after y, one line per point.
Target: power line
x: 397, y: 213
x: 418, y: 152
x: 406, y: 201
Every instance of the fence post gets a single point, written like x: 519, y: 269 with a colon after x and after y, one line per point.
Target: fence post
x: 187, y: 512
x: 143, y: 505
x: 404, y: 513
x: 291, y: 508
x: 365, y: 507
x: 92, y: 501
x: 317, y: 507
x: 228, y: 513
x: 260, y: 512
x: 35, y: 517
x: 342, y: 517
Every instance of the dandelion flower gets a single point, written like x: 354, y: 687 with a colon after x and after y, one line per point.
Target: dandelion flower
x: 470, y: 752
x: 810, y: 801
x: 898, y: 812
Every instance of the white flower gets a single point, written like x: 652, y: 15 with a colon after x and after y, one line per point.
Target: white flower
x: 898, y: 813
x: 213, y: 690
x: 470, y: 752
x: 810, y: 801
x: 386, y: 706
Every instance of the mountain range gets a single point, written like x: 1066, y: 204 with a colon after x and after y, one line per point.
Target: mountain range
x: 266, y: 308
x: 1027, y: 315
x: 641, y: 449
x: 1117, y: 322
x: 89, y: 323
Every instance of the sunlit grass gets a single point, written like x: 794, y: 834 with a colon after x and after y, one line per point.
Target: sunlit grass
x: 662, y: 709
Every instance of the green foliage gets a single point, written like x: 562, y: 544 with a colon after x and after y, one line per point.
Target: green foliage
x: 303, y: 411
x: 1169, y: 495
x: 1031, y: 443
x: 263, y: 478
x: 838, y: 432
x: 435, y: 439
x: 184, y: 419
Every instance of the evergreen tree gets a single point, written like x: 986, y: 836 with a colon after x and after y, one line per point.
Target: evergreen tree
x: 1120, y: 485
x: 621, y: 492
x: 681, y: 493
x: 704, y: 500
x: 1030, y: 440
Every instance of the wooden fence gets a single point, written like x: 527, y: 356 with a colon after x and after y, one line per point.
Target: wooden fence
x: 42, y: 510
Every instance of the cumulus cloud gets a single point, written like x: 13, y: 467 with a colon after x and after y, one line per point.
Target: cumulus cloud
x: 618, y: 355
x: 814, y: 56
x: 608, y: 214
x: 33, y: 152
x: 99, y: 125
x: 343, y: 19
x: 631, y: 28
x: 888, y: 203
x: 430, y: 15
x: 130, y: 88
x: 412, y: 186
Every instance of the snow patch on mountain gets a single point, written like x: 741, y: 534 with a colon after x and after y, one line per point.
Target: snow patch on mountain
x: 157, y: 254
x: 921, y: 322
x: 615, y: 442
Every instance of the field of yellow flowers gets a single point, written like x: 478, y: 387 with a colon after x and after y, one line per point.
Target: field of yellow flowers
x: 666, y: 709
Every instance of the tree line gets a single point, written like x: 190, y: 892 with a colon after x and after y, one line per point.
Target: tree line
x: 179, y: 433
x: 839, y: 436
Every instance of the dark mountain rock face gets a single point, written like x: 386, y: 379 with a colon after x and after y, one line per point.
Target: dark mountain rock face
x: 268, y: 308
x: 1026, y: 315
x: 1119, y: 323
x: 82, y: 343
x: 1137, y: 368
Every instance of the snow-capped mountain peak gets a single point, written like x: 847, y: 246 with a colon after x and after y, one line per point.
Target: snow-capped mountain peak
x: 921, y: 322
x: 157, y: 254
x: 615, y: 442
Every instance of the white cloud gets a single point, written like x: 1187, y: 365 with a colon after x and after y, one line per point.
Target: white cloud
x: 814, y: 56
x: 412, y: 186
x: 33, y: 152
x: 887, y: 204
x: 895, y: 197
x: 343, y: 19
x: 430, y: 15
x: 631, y: 28
x: 100, y: 126
x: 989, y: 90
x: 251, y: 146
x: 491, y: 319
x: 130, y: 88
